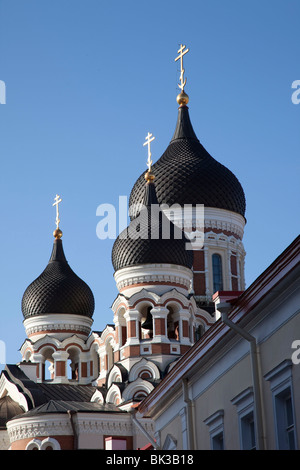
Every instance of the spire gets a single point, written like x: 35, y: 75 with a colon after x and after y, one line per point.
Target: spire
x: 149, y: 177
x: 150, y: 237
x: 182, y: 98
x: 150, y: 193
x: 57, y: 232
x: 184, y: 128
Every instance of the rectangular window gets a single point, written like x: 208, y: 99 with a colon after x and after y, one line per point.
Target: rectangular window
x: 285, y: 420
x: 217, y: 442
x: 281, y: 385
x: 217, y: 272
x: 244, y: 403
x: 248, y: 432
x: 215, y: 424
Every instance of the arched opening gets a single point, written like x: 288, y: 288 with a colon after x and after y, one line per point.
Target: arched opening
x: 199, y: 331
x: 217, y: 272
x: 94, y: 363
x: 146, y: 322
x: 109, y: 355
x: 145, y: 374
x: 140, y: 395
x: 172, y: 325
x: 73, y: 364
x: 48, y: 365
x: 122, y: 326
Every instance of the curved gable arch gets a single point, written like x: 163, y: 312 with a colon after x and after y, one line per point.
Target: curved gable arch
x: 141, y: 367
x: 139, y: 385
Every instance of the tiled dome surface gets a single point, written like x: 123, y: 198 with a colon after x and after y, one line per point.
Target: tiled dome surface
x: 187, y: 174
x: 58, y: 290
x: 146, y: 249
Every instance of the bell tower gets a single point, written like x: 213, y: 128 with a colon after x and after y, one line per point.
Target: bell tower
x: 155, y: 315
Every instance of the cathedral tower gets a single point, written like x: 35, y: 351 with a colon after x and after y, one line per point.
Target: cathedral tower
x: 187, y: 176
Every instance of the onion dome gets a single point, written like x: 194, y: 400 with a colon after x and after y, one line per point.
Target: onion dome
x: 187, y: 174
x: 150, y: 237
x: 58, y: 289
x: 8, y: 410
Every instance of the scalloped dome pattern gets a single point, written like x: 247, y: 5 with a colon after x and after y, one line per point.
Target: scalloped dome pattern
x: 58, y: 290
x: 151, y: 246
x: 187, y: 174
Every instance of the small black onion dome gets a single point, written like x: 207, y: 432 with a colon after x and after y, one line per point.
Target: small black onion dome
x: 187, y: 174
x: 152, y: 244
x: 58, y: 289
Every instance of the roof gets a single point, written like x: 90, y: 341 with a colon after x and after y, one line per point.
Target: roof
x: 58, y: 289
x: 8, y: 409
x: 285, y: 266
x: 151, y: 237
x: 62, y: 406
x: 187, y: 174
x: 68, y: 392
x: 38, y: 394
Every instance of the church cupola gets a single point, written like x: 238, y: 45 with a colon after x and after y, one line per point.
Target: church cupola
x: 187, y: 175
x: 58, y: 307
x: 152, y: 249
x: 155, y: 315
x: 58, y: 301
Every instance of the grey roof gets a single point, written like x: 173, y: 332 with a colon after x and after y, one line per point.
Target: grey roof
x: 67, y: 392
x: 62, y: 406
x: 38, y: 394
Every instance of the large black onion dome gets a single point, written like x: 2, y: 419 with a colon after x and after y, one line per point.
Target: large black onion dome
x: 152, y: 244
x: 58, y: 289
x: 187, y: 174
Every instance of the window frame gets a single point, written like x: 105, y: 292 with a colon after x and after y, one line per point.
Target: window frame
x: 281, y: 385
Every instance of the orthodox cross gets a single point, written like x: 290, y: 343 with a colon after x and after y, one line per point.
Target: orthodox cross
x: 181, y: 51
x: 149, y: 139
x: 57, y: 200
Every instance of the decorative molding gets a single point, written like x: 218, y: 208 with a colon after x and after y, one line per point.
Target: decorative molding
x: 153, y: 274
x: 25, y: 428
x: 58, y: 324
x: 214, y: 218
x: 59, y: 425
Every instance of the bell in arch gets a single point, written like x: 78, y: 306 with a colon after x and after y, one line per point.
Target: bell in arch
x: 148, y: 323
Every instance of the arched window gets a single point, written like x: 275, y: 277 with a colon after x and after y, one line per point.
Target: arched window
x: 217, y: 272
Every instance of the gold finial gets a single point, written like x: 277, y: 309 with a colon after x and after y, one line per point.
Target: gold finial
x: 182, y: 98
x: 149, y: 138
x: 57, y: 233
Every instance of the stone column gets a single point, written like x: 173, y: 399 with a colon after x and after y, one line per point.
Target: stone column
x: 133, y: 317
x: 183, y: 317
x: 60, y: 366
x: 40, y: 372
x: 159, y: 315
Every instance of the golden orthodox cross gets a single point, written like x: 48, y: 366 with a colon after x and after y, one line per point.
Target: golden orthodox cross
x: 149, y: 139
x: 57, y: 200
x: 181, y: 51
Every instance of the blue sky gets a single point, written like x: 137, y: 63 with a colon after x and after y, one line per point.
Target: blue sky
x: 87, y: 79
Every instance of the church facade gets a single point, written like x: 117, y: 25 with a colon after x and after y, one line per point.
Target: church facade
x: 76, y: 388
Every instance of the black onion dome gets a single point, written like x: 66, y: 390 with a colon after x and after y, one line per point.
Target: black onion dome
x: 187, y: 174
x: 58, y: 289
x: 157, y: 240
